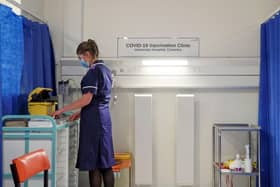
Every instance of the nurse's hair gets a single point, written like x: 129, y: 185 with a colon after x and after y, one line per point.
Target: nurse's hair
x: 88, y: 46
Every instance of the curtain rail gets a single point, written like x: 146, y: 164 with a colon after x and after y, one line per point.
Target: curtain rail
x: 271, y: 15
x: 13, y: 2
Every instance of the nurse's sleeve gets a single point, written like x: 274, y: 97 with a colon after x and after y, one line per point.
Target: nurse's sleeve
x: 90, y: 83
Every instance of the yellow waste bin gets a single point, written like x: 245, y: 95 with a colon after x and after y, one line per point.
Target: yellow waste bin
x: 40, y: 102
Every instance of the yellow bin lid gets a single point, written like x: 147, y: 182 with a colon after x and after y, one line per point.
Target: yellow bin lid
x: 38, y: 91
x: 122, y: 156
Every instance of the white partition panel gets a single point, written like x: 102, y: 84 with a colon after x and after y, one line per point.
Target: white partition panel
x: 185, y: 140
x: 143, y: 139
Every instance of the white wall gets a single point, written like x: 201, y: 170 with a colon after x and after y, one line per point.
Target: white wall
x: 226, y: 28
x: 211, y: 106
x: 34, y: 6
x: 54, y: 14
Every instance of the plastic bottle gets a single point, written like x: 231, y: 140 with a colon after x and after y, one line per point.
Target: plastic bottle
x: 247, y: 161
x: 236, y: 164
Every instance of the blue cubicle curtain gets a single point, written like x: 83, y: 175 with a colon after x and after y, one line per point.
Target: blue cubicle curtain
x: 1, y: 152
x: 11, y: 61
x: 11, y: 58
x: 48, y: 59
x: 39, y: 61
x: 269, y: 102
x: 26, y: 62
x: 1, y: 174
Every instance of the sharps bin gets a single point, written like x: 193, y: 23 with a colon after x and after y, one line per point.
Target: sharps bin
x: 40, y: 102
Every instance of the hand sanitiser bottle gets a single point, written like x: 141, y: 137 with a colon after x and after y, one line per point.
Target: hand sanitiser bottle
x: 236, y: 164
x: 247, y: 161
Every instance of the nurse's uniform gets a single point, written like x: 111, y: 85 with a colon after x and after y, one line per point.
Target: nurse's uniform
x: 96, y: 144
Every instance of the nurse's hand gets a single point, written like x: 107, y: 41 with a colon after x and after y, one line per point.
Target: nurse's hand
x: 74, y: 116
x: 57, y: 113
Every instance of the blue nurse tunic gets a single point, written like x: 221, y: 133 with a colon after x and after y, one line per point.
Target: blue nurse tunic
x: 96, y: 144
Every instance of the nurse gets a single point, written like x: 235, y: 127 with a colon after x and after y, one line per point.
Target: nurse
x: 96, y: 153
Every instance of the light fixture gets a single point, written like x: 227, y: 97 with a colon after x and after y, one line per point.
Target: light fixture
x: 165, y: 70
x: 165, y: 62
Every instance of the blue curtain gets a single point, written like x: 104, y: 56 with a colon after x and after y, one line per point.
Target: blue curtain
x: 11, y: 58
x: 11, y: 62
x: 1, y: 146
x: 269, y: 102
x: 26, y: 62
x: 48, y: 59
x: 39, y: 61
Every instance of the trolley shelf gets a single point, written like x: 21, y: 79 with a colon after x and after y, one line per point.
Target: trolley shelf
x: 237, y: 127
x: 254, y: 173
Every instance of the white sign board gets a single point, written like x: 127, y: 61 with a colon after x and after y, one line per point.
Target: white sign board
x: 158, y: 47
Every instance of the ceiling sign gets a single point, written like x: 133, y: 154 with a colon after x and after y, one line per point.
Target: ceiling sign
x: 158, y: 47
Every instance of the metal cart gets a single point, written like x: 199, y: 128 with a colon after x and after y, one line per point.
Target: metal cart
x: 219, y: 130
x: 55, y: 139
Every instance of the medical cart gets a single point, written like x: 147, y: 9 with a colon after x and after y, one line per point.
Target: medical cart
x: 252, y: 133
x: 58, y: 137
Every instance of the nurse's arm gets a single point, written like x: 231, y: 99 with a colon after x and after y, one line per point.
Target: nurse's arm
x: 80, y: 103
